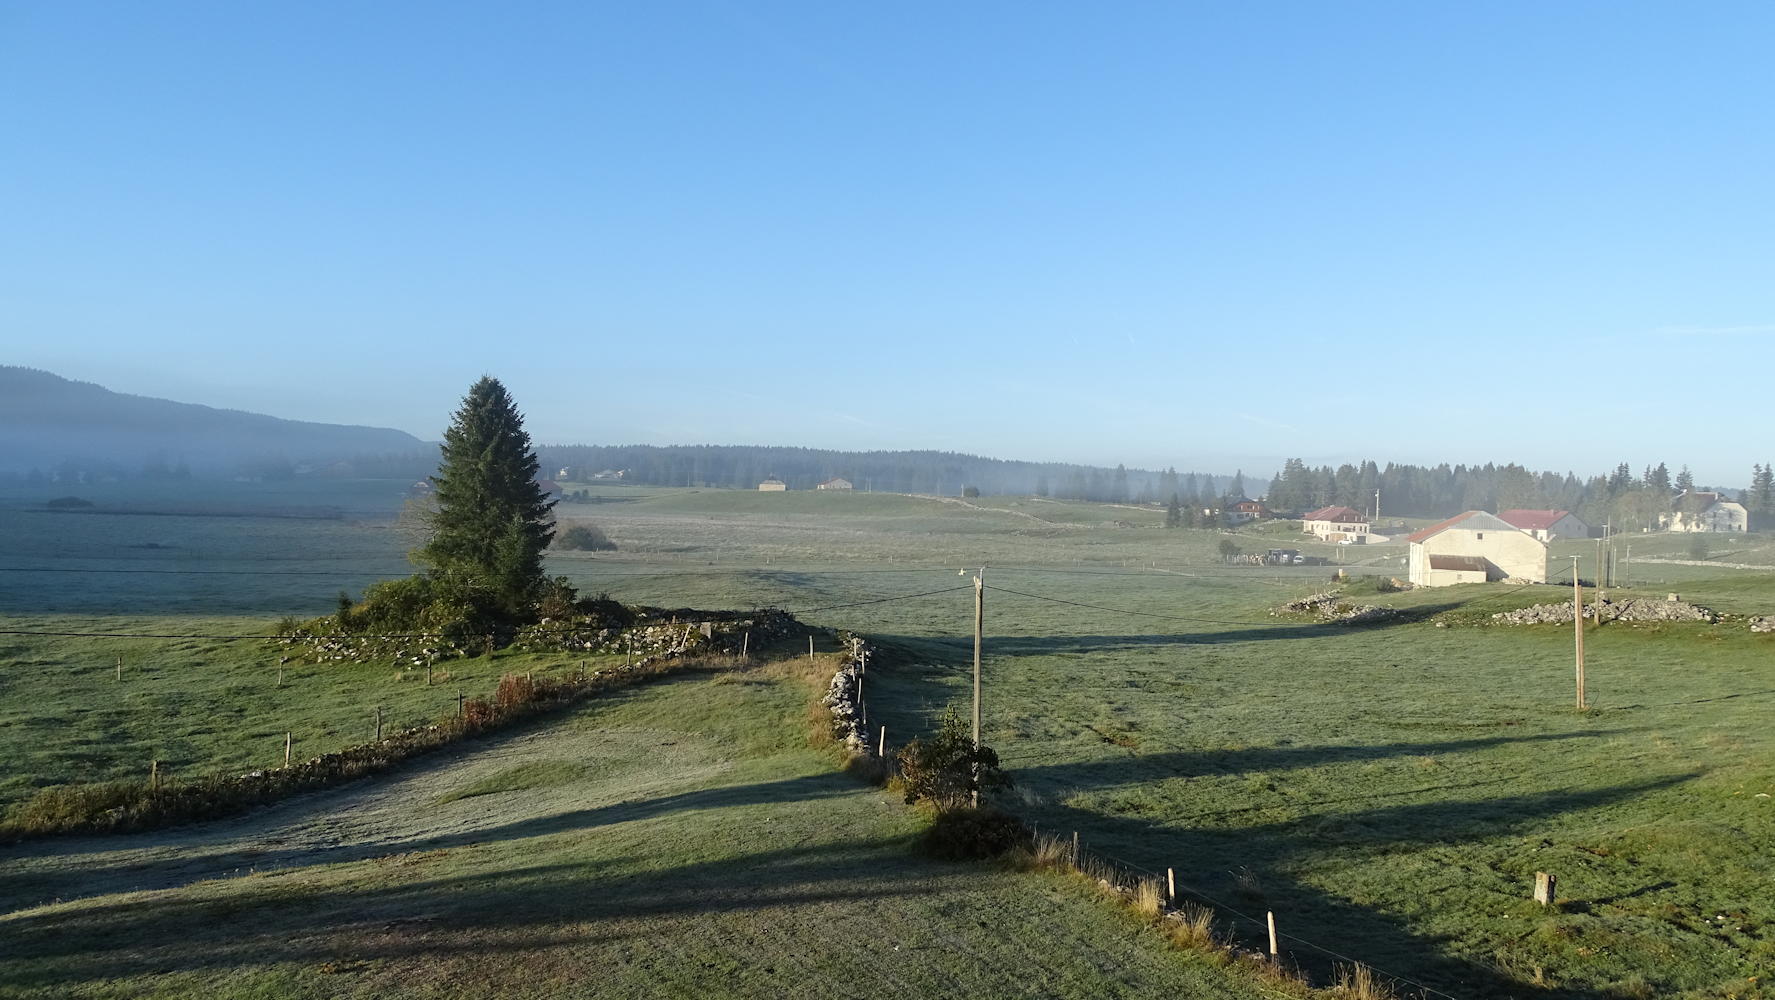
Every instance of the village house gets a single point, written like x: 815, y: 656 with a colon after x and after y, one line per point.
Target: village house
x: 835, y: 484
x: 1703, y: 511
x: 1546, y: 525
x: 1475, y: 547
x: 1246, y: 509
x: 1336, y: 524
x: 772, y: 485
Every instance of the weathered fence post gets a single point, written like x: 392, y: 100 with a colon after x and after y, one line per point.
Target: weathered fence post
x: 378, y: 723
x: 746, y: 646
x: 153, y: 775
x: 881, y: 748
x: 289, y: 743
x: 120, y: 661
x: 1544, y: 884
x: 1171, y: 884
x: 810, y: 648
x: 1275, y: 946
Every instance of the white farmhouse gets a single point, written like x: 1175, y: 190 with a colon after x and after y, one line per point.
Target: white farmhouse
x: 1472, y: 548
x: 839, y: 483
x: 1702, y: 511
x: 1336, y: 524
x: 1546, y: 525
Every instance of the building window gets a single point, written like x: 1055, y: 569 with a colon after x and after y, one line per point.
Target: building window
x: 1481, y: 535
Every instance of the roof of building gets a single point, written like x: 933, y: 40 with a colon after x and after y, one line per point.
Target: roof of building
x: 1532, y: 520
x: 770, y: 480
x: 1707, y: 497
x: 1473, y: 520
x: 1468, y: 564
x: 835, y: 479
x: 1342, y: 514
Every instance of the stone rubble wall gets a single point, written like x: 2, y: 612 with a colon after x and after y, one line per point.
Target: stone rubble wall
x: 844, y: 699
x: 1637, y: 609
x: 1332, y: 608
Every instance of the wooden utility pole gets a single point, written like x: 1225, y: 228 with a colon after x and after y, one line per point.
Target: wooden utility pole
x: 1578, y: 627
x: 979, y: 631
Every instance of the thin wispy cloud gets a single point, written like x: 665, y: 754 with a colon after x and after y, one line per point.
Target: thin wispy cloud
x: 1266, y: 422
x: 1748, y: 330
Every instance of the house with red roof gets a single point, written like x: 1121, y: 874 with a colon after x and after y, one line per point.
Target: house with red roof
x: 1336, y: 524
x: 1546, y: 524
x: 1475, y: 547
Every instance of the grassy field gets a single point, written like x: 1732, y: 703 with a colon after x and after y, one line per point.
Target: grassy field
x: 678, y: 839
x: 1388, y: 792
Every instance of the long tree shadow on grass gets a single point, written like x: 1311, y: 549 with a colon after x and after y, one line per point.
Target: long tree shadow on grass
x: 1223, y: 865
x: 514, y: 907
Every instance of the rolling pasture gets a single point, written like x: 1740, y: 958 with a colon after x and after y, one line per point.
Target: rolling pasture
x: 1388, y: 792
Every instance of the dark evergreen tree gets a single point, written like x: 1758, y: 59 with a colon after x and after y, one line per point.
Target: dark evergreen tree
x: 1174, y: 513
x: 1685, y: 480
x: 493, y: 520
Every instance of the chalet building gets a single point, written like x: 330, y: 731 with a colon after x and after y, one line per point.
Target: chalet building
x: 1475, y: 547
x: 1336, y: 524
x: 772, y: 485
x: 835, y: 484
x: 1703, y: 511
x: 1546, y: 525
x: 1246, y: 509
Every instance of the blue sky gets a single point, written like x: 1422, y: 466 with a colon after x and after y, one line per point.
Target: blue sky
x: 1162, y: 234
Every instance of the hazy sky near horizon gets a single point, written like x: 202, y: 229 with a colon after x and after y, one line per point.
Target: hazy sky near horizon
x: 1201, y: 235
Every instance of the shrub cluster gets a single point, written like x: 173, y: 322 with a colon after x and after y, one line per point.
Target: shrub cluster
x: 583, y: 537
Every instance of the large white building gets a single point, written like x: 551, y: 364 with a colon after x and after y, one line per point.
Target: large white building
x: 1336, y: 524
x: 1472, y: 548
x: 1701, y: 511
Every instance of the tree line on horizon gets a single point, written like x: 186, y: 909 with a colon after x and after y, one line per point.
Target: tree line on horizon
x: 938, y: 472
x: 1627, y: 500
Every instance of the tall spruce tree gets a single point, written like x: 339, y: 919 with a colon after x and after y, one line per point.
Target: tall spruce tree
x: 493, y: 520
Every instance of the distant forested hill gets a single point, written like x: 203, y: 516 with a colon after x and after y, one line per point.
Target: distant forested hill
x: 49, y: 423
x: 939, y: 472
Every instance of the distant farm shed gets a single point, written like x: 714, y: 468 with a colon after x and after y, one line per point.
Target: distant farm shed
x: 1546, y: 525
x: 837, y: 483
x: 1475, y: 547
x: 772, y: 485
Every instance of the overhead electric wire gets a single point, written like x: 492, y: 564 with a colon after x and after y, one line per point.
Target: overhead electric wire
x: 1146, y: 614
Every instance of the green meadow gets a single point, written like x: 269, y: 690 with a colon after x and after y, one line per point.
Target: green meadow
x: 1388, y: 792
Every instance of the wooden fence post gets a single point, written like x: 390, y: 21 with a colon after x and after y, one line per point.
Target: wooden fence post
x: 378, y: 723
x: 120, y: 662
x: 1171, y: 884
x: 1275, y: 949
x: 881, y: 748
x: 428, y: 671
x: 289, y: 743
x: 1075, y: 849
x: 810, y: 648
x: 1544, y: 884
x: 153, y: 775
x: 746, y: 646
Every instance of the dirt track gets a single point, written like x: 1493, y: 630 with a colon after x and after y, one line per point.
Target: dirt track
x: 373, y: 817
